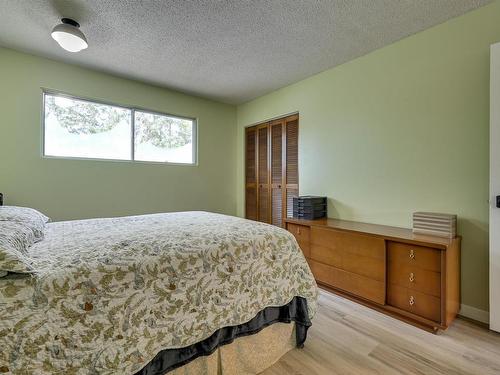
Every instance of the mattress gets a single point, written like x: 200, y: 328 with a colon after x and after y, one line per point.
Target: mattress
x: 107, y: 296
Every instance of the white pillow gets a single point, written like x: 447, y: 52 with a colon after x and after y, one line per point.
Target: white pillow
x: 15, y: 240
x: 30, y: 217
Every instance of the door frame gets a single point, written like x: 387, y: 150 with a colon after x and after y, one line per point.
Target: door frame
x: 494, y: 225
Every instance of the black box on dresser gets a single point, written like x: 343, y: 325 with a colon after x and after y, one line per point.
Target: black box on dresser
x: 309, y: 207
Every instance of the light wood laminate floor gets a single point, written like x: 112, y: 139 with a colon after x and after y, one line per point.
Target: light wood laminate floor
x: 347, y: 338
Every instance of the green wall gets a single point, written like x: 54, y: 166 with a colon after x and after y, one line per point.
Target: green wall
x: 73, y: 189
x: 402, y: 129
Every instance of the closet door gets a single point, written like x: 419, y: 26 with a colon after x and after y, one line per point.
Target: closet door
x: 263, y: 196
x: 291, y: 175
x: 271, y: 170
x: 277, y: 168
x: 251, y: 173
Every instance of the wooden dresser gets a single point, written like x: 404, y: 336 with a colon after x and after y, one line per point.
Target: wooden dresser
x: 415, y: 278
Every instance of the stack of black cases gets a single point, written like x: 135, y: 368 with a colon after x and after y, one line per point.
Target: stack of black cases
x: 309, y: 207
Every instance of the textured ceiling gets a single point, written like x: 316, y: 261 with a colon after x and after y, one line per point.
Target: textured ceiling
x: 227, y: 50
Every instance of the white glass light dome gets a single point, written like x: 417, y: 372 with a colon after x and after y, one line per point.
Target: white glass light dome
x: 69, y: 36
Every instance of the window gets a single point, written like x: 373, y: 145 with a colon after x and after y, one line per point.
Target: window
x: 78, y: 128
x: 163, y: 138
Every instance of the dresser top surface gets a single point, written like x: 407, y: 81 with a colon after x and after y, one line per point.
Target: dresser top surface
x: 385, y: 231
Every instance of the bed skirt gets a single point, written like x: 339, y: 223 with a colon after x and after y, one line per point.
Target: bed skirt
x: 255, y: 349
x: 247, y: 355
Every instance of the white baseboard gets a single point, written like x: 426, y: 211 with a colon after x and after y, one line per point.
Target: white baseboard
x: 475, y: 313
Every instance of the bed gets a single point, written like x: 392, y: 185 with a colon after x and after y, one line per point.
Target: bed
x: 187, y: 292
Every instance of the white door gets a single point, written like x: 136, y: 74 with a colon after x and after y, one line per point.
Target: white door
x: 495, y: 187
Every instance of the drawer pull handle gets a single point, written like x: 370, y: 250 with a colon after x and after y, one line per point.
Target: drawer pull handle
x: 412, y: 300
x: 412, y: 254
x: 298, y: 230
x: 412, y: 277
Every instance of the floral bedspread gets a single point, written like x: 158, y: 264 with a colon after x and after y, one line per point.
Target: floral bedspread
x: 108, y: 294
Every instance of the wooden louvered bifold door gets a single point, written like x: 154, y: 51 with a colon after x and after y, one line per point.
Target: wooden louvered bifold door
x: 277, y: 172
x: 271, y: 170
x: 251, y: 173
x: 291, y: 175
x: 263, y: 174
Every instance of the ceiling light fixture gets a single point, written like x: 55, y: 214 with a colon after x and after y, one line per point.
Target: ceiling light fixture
x: 69, y: 36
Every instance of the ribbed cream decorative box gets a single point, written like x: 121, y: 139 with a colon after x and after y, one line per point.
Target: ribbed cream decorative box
x: 435, y: 224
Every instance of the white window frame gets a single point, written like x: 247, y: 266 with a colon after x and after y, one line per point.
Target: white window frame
x: 132, y: 110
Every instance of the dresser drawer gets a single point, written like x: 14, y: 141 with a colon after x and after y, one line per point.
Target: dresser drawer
x: 422, y: 257
x: 351, y: 252
x: 417, y: 303
x: 326, y: 255
x: 300, y: 232
x: 361, y: 286
x: 357, y: 244
x: 414, y: 278
x: 374, y: 268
